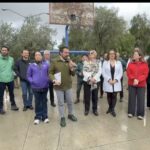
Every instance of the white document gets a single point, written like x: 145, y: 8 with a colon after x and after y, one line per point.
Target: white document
x: 58, y: 76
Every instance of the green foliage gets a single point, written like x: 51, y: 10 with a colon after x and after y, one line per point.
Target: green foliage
x: 62, y: 44
x: 140, y: 29
x: 108, y: 28
x: 126, y: 43
x: 34, y: 36
x: 31, y: 35
x: 7, y: 33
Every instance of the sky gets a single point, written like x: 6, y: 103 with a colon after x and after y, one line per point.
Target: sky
x: 125, y: 10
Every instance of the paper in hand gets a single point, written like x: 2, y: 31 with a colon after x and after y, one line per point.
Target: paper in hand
x: 58, y: 76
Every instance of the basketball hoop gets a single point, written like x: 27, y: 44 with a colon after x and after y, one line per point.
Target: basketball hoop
x: 75, y: 16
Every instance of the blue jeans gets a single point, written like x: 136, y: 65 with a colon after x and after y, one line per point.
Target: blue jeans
x: 40, y: 104
x: 27, y: 94
x: 10, y: 86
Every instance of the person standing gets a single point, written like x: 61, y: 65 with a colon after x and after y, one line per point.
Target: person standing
x: 91, y: 73
x: 101, y: 77
x: 37, y: 74
x: 124, y: 69
x: 112, y: 72
x: 63, y: 83
x: 137, y: 72
x: 21, y: 67
x: 7, y: 78
x: 79, y: 72
x: 51, y: 90
x: 148, y: 84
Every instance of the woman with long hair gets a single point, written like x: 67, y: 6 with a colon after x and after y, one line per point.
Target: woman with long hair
x: 112, y: 72
x: 137, y: 72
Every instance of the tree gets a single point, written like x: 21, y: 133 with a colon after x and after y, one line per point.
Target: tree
x: 33, y: 36
x: 108, y: 28
x: 81, y: 39
x: 7, y: 33
x: 104, y: 35
x: 140, y: 29
x: 126, y: 43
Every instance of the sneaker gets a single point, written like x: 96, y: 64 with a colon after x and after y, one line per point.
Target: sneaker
x: 63, y: 122
x: 46, y: 120
x: 14, y: 107
x: 140, y: 117
x: 130, y: 115
x: 2, y: 112
x: 36, y: 121
x: 72, y: 117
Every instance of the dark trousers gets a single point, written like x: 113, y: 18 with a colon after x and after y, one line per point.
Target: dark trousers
x: 112, y: 100
x: 148, y: 94
x: 10, y: 86
x: 87, y: 96
x: 51, y: 93
x: 79, y: 86
x: 101, y: 86
x: 27, y: 93
x: 40, y: 104
x: 136, y: 100
x: 121, y: 92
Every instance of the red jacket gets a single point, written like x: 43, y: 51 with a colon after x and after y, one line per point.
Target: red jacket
x: 137, y: 70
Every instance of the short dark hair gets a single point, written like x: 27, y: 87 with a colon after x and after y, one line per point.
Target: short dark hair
x: 24, y: 50
x: 84, y: 55
x: 62, y: 48
x: 36, y: 52
x: 5, y: 47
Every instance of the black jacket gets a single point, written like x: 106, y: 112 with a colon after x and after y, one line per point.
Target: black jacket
x: 20, y: 69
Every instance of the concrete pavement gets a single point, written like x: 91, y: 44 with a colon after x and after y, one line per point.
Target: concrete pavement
x: 103, y: 132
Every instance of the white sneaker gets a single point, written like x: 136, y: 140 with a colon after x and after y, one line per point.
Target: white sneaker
x: 46, y: 120
x: 140, y: 117
x: 36, y: 121
x: 130, y: 115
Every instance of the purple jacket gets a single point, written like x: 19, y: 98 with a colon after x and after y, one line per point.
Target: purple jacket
x: 38, y: 75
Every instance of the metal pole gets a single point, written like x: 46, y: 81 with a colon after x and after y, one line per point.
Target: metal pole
x: 66, y: 35
x: 3, y: 9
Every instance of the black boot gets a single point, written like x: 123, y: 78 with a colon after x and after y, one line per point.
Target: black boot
x: 77, y: 101
x: 113, y: 113
x: 108, y: 111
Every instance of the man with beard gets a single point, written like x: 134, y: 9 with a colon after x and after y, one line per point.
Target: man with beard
x: 21, y: 67
x: 7, y: 78
x: 63, y: 84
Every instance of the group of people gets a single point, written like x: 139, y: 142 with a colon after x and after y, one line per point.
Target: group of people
x: 108, y: 76
x: 42, y: 75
